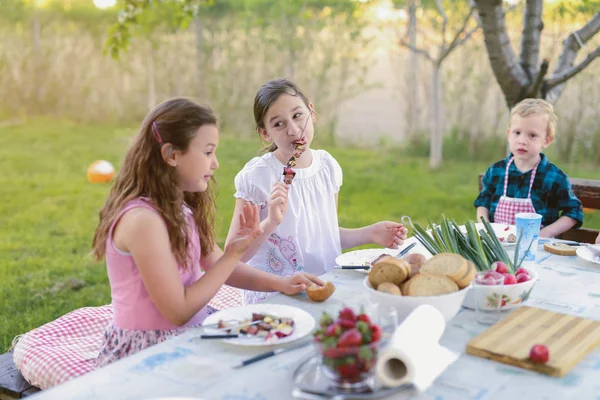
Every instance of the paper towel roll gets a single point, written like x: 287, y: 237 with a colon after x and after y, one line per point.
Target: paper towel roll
x: 414, y: 354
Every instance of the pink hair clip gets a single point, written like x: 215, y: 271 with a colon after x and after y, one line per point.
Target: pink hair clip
x: 156, y: 134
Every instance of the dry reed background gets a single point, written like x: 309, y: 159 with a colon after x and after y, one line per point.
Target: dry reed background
x: 358, y: 84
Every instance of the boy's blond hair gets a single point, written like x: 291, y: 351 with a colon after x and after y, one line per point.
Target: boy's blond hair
x: 537, y: 107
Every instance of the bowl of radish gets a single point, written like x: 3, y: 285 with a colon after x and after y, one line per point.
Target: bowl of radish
x: 516, y: 289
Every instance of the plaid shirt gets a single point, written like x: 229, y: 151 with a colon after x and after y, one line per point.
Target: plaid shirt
x: 551, y: 193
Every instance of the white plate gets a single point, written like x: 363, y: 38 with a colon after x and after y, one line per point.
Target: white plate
x: 586, y: 254
x: 304, y: 323
x: 501, y: 231
x: 364, y: 256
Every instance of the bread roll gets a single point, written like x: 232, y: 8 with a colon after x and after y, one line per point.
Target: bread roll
x: 431, y: 285
x: 388, y: 287
x: 468, y: 277
x: 561, y: 249
x: 389, y: 269
x: 454, y: 266
x: 320, y: 293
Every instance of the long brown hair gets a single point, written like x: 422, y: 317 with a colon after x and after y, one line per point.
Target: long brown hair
x: 267, y: 95
x: 145, y: 174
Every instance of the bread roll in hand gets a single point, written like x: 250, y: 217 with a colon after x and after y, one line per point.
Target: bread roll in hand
x: 320, y: 293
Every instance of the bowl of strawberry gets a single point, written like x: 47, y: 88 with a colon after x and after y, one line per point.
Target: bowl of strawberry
x: 516, y: 289
x: 348, y: 346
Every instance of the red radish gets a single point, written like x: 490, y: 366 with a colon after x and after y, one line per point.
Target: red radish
x: 509, y: 279
x: 522, y: 271
x: 539, y: 354
x: 522, y: 278
x: 490, y: 274
x: 500, y: 267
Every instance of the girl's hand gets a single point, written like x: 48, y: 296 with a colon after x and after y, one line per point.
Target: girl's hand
x: 298, y: 283
x: 388, y: 234
x: 277, y: 203
x: 249, y: 231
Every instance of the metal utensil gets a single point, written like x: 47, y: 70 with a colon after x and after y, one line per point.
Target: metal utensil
x: 272, y: 353
x: 216, y: 326
x: 406, y: 250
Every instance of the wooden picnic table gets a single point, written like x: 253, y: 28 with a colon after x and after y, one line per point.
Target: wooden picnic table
x: 184, y: 366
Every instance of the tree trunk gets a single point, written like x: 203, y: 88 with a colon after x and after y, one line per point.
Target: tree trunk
x: 413, y: 115
x: 510, y: 75
x: 36, y: 59
x: 435, y: 151
x: 530, y: 41
x: 198, y: 27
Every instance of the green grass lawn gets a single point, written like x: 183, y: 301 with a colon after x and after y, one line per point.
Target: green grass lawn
x: 48, y: 209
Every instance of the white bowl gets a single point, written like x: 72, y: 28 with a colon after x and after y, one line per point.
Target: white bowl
x: 447, y: 304
x: 512, y: 295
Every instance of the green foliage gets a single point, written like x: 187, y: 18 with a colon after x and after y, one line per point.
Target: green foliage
x: 136, y: 14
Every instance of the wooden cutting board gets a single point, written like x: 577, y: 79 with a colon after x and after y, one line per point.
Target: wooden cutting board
x: 568, y: 338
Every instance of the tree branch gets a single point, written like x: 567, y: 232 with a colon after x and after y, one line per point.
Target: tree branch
x: 456, y: 41
x: 537, y: 84
x: 571, y: 72
x: 404, y: 43
x: 567, y: 57
x: 530, y: 41
x: 440, y: 8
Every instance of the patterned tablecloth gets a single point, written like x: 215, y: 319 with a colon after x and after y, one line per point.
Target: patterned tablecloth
x: 188, y: 367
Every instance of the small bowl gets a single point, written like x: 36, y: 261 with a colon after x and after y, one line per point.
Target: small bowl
x: 349, y: 368
x: 447, y: 304
x: 512, y: 295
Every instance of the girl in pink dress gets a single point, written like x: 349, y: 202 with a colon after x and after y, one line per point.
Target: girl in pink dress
x: 156, y: 231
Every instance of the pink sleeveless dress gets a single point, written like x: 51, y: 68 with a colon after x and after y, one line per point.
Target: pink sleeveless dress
x: 137, y: 323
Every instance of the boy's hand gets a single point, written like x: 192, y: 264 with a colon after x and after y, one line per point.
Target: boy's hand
x: 298, y: 283
x: 249, y: 231
x: 277, y: 203
x: 388, y: 234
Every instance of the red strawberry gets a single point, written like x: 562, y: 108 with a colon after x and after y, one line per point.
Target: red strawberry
x: 364, y: 318
x: 522, y: 278
x: 348, y: 371
x: 539, y: 354
x: 346, y: 323
x: 347, y: 313
x: 332, y: 353
x: 350, y: 338
x: 522, y: 271
x: 333, y: 330
x: 375, y: 333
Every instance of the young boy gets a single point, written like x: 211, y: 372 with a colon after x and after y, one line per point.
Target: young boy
x: 526, y: 181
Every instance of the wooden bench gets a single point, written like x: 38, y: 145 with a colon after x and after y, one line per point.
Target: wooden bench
x: 12, y: 383
x: 588, y: 191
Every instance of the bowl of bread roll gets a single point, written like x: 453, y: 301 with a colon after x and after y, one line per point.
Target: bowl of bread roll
x: 404, y: 284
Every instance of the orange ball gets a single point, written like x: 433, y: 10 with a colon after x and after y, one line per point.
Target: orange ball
x: 100, y: 172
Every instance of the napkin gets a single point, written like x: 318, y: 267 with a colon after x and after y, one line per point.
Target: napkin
x: 414, y: 354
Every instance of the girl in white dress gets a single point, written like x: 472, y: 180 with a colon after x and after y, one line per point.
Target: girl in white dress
x: 299, y: 221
